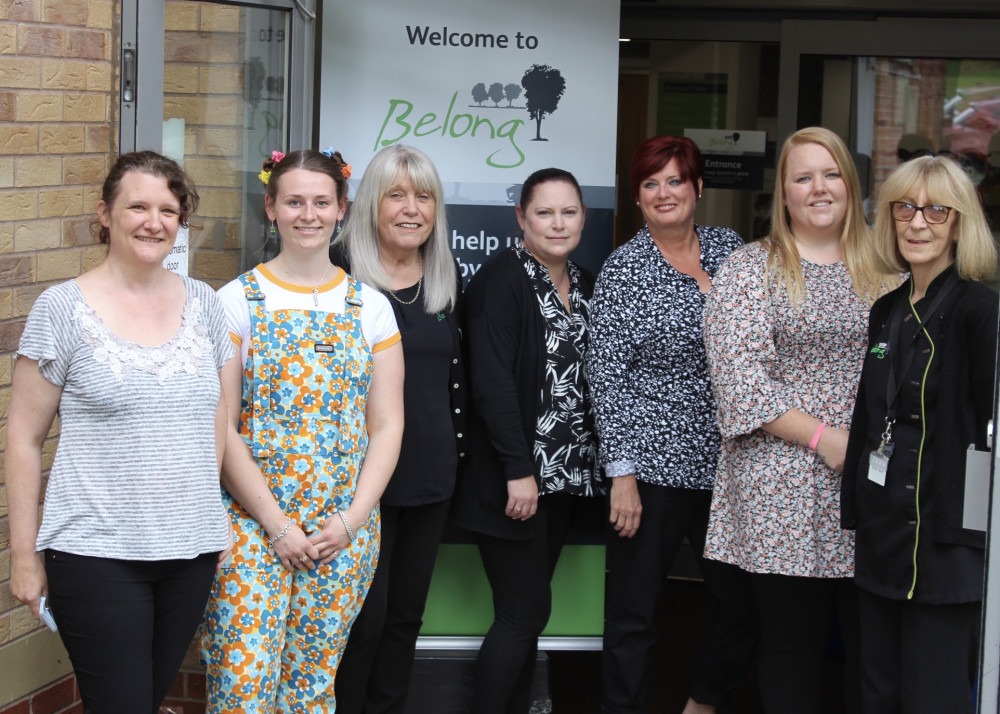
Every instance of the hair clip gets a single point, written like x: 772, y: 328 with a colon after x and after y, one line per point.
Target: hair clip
x: 264, y: 176
x: 277, y: 156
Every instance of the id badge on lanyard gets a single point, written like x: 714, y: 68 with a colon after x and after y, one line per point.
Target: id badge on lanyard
x: 878, y: 460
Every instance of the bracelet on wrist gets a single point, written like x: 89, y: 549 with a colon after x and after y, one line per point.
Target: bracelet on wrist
x: 814, y: 441
x: 282, y: 534
x: 347, y: 526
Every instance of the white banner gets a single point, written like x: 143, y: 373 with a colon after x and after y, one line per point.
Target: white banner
x: 491, y: 91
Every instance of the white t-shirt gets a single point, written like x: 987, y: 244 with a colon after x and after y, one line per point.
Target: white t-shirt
x: 378, y: 323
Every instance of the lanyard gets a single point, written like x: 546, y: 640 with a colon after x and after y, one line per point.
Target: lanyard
x: 907, y: 351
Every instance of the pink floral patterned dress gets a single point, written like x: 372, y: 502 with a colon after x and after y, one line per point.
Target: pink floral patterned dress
x: 776, y: 505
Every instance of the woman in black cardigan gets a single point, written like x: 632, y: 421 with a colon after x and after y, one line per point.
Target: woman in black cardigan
x: 926, y: 396
x: 532, y: 453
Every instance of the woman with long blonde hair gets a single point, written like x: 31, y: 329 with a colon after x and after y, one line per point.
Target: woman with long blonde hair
x: 785, y: 335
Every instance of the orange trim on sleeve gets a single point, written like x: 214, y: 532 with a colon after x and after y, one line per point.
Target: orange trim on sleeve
x: 237, y: 340
x: 385, y: 344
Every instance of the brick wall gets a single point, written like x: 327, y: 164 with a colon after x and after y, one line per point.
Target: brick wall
x: 56, y: 139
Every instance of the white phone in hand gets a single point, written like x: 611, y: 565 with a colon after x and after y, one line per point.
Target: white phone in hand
x: 45, y: 614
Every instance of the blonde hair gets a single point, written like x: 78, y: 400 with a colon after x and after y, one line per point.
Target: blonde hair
x: 360, y: 235
x: 783, y: 260
x: 946, y: 184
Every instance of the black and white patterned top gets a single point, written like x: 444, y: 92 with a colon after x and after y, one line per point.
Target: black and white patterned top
x: 646, y: 365
x: 564, y: 450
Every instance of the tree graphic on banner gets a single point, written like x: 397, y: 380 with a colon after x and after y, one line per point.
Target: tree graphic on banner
x: 496, y: 93
x: 511, y: 92
x: 543, y: 88
x: 479, y: 94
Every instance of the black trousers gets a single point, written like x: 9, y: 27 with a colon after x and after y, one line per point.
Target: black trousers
x: 637, y: 570
x: 126, y: 624
x: 374, y: 674
x: 917, y: 658
x: 797, y: 617
x: 520, y: 575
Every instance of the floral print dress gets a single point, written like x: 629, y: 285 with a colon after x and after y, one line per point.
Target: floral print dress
x: 776, y: 504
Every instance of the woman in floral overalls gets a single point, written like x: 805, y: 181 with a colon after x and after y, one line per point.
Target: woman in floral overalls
x: 320, y: 370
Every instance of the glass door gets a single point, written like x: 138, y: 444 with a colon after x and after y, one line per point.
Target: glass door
x: 212, y: 85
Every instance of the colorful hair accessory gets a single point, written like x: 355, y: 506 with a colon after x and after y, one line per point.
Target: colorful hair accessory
x: 277, y: 156
x: 264, y: 176
x: 346, y: 171
x: 328, y: 152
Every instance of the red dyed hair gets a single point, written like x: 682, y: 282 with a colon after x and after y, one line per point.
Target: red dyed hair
x: 655, y: 153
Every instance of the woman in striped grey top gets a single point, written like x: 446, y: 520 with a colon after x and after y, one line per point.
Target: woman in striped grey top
x: 129, y: 355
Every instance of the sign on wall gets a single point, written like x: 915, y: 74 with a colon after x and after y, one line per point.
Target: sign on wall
x: 491, y: 92
x: 733, y: 159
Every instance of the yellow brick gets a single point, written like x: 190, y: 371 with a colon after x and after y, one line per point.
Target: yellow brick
x: 100, y: 14
x: 8, y: 39
x: 99, y: 76
x: 221, y: 79
x: 37, y: 107
x: 37, y: 235
x: 25, y: 297
x: 7, y: 238
x: 20, y: 73
x: 190, y: 140
x: 219, y: 18
x: 5, y: 561
x: 181, y: 17
x: 18, y: 139
x: 91, y: 195
x: 48, y: 453
x: 86, y: 107
x: 92, y: 257
x: 83, y: 169
x: 203, y: 48
x: 213, y: 172
x: 220, y: 142
x: 18, y: 205
x: 6, y: 368
x: 98, y: 139
x: 60, y: 265
x: 64, y: 13
x: 39, y: 171
x: 4, y: 628
x: 4, y: 405
x: 220, y: 203
x: 216, y: 266
x: 6, y: 312
x: 6, y: 172
x: 62, y: 139
x: 227, y: 111
x: 64, y: 74
x: 180, y: 79
x: 22, y: 622
x: 60, y: 202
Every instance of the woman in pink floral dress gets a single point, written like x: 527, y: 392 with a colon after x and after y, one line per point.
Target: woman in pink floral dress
x: 785, y: 333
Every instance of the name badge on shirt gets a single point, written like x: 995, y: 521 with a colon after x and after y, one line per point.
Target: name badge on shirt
x: 320, y: 347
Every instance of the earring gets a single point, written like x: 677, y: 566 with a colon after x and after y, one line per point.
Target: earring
x: 272, y: 230
x: 340, y: 227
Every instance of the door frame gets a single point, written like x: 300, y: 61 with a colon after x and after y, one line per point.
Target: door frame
x: 142, y: 33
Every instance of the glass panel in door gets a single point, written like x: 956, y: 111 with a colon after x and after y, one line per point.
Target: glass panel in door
x: 225, y: 105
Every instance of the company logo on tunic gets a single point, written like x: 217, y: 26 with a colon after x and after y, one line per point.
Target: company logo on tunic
x: 880, y: 350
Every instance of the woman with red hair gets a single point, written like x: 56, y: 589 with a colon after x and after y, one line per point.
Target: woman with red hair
x: 655, y: 418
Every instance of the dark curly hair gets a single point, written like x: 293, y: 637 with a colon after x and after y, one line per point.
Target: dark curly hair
x: 150, y: 162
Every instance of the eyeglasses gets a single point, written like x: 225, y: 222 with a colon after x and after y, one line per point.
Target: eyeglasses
x: 903, y: 211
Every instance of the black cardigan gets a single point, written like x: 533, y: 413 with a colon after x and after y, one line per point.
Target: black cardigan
x: 505, y: 348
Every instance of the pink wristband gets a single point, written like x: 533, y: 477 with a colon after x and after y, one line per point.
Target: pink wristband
x: 814, y: 441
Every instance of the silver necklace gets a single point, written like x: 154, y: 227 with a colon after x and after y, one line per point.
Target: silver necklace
x: 305, y: 284
x: 420, y: 283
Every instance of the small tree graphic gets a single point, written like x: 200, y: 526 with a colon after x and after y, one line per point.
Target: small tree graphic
x: 512, y: 91
x: 543, y: 87
x: 479, y: 94
x: 496, y: 93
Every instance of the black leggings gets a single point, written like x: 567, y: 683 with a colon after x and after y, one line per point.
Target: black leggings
x: 520, y: 575
x: 126, y: 624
